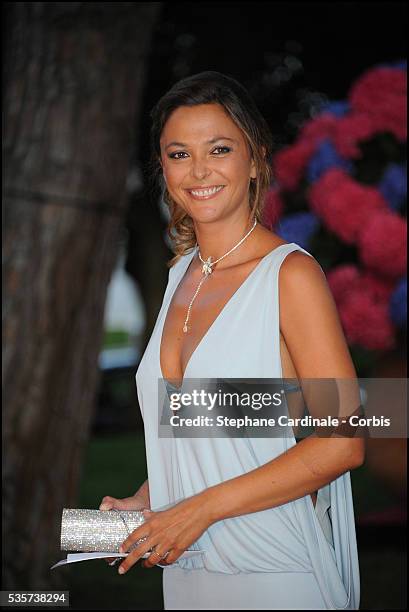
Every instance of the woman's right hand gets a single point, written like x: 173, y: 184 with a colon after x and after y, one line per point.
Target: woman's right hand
x: 135, y: 502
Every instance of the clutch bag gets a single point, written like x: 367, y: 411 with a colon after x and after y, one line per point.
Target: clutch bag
x: 89, y: 530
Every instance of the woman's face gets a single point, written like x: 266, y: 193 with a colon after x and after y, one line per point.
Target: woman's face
x: 202, y: 150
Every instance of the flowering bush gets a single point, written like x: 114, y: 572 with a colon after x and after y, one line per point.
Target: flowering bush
x: 340, y: 193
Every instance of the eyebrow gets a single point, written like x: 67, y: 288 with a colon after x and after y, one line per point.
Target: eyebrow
x: 211, y: 141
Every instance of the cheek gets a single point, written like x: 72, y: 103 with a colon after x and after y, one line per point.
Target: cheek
x: 173, y: 175
x: 236, y: 168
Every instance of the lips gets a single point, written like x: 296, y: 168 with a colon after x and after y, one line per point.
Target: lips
x: 205, y: 193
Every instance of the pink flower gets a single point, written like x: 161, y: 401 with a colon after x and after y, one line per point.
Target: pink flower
x: 343, y: 204
x: 366, y: 322
x: 362, y: 301
x: 289, y: 164
x: 341, y: 280
x: 273, y: 208
x: 347, y: 278
x: 379, y: 288
x: 381, y: 93
x: 350, y: 131
x: 382, y: 243
x: 318, y: 129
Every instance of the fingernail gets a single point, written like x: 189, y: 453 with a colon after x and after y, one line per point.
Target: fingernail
x: 121, y: 570
x: 103, y: 507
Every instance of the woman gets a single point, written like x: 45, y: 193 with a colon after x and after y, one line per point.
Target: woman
x: 259, y: 508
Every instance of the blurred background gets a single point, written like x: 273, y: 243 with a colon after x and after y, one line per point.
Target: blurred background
x: 85, y: 244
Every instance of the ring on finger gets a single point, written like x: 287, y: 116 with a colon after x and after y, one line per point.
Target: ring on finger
x: 160, y: 556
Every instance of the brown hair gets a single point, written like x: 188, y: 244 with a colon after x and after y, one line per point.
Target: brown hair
x: 211, y: 87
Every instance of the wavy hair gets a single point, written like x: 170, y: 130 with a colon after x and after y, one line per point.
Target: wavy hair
x: 211, y: 87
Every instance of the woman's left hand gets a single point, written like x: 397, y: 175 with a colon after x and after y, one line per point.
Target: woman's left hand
x: 173, y: 530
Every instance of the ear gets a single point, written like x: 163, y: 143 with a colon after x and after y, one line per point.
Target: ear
x: 253, y: 169
x: 163, y: 170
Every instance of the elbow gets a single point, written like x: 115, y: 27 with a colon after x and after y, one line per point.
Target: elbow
x: 357, y: 453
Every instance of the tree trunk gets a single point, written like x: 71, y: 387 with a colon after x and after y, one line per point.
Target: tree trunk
x: 74, y: 77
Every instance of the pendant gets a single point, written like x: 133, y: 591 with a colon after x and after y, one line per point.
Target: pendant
x: 206, y: 268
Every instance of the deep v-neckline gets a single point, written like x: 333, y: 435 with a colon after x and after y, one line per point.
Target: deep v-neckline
x: 216, y: 320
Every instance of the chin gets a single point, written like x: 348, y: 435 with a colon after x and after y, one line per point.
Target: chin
x: 203, y: 213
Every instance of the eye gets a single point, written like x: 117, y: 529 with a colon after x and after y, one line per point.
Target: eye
x: 228, y: 149
x: 173, y: 155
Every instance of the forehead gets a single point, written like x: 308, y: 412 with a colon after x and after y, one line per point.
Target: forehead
x: 196, y: 124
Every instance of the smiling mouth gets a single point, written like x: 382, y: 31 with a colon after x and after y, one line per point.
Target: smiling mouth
x: 205, y: 194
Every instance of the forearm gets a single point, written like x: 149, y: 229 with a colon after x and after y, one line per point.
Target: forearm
x: 143, y: 492
x: 304, y: 468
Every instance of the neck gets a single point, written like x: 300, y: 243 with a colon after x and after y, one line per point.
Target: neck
x: 216, y: 239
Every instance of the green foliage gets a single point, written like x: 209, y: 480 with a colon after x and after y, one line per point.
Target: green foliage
x: 115, y: 338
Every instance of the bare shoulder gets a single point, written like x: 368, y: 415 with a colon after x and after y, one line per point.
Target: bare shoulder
x: 300, y: 269
x: 310, y: 321
x: 304, y: 291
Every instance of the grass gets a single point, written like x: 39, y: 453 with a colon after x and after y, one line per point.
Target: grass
x: 115, y: 465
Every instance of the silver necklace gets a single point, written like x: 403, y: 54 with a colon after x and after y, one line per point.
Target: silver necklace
x: 207, y: 270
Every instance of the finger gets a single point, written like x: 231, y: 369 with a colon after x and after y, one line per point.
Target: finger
x: 156, y: 559
x: 173, y: 556
x: 107, y: 503
x: 139, y: 533
x: 143, y: 531
x: 136, y: 554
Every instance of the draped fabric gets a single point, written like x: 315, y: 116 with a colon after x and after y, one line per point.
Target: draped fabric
x: 293, y: 538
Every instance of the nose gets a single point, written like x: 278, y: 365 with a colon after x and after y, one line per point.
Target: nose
x: 199, y: 169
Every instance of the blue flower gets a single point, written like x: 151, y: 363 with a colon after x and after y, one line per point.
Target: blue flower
x: 339, y: 108
x: 393, y: 185
x: 324, y: 158
x: 298, y: 228
x: 399, y: 303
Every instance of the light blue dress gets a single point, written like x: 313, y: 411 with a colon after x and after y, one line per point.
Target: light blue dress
x: 292, y: 556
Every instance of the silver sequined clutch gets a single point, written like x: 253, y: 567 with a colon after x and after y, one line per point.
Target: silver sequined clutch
x: 88, y: 530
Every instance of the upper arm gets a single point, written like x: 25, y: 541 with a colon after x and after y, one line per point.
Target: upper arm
x: 309, y: 320
x: 315, y: 339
